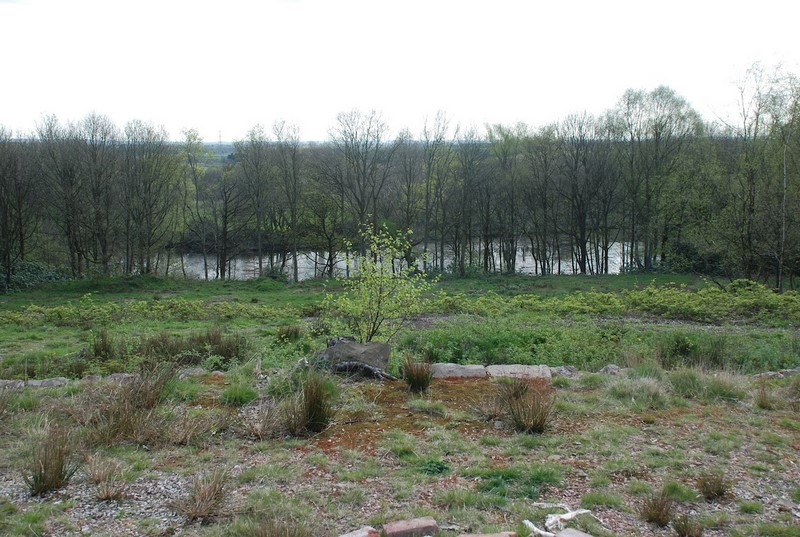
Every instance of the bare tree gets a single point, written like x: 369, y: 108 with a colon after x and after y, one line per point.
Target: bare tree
x: 151, y: 178
x: 18, y: 215
x: 65, y: 189
x: 99, y: 156
x: 290, y: 165
x: 256, y: 165
x: 195, y: 192
x: 363, y: 164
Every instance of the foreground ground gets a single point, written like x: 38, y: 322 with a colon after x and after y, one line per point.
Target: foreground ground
x: 612, y: 444
x: 685, y: 415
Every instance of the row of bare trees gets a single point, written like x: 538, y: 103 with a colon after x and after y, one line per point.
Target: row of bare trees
x: 647, y: 185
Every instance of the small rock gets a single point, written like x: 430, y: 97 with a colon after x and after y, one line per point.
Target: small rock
x: 568, y: 371
x: 445, y: 371
x: 365, y: 531
x: 611, y: 369
x: 569, y: 532
x: 12, y: 384
x: 122, y: 377
x: 519, y: 371
x: 189, y: 372
x: 415, y: 527
x: 769, y: 375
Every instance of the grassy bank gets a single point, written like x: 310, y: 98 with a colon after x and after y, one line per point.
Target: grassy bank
x: 582, y: 321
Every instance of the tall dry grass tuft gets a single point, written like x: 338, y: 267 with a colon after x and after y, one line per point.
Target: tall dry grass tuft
x: 107, y: 475
x: 657, y: 509
x: 124, y: 411
x: 529, y: 406
x: 206, y: 498
x: 418, y: 375
x: 317, y: 404
x: 53, y: 461
x: 713, y: 485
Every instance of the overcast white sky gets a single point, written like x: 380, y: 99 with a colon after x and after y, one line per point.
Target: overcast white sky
x: 222, y: 67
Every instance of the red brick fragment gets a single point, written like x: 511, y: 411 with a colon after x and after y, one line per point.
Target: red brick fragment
x: 415, y: 527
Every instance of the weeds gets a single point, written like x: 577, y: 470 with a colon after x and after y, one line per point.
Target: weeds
x: 5, y: 399
x: 418, y: 375
x: 206, y: 497
x: 124, y: 411
x: 290, y: 332
x: 686, y: 526
x: 266, y: 421
x: 763, y: 397
x: 657, y: 509
x: 238, y: 395
x: 713, y: 486
x: 53, y: 461
x: 107, y: 475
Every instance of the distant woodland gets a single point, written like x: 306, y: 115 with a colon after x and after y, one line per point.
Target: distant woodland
x: 650, y: 180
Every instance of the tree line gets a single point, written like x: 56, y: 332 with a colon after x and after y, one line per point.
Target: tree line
x: 648, y: 181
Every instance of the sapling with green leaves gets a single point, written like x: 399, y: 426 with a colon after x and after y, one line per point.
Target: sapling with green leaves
x: 386, y: 292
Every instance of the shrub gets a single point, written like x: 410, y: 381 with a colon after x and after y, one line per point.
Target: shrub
x: 418, y: 375
x: 386, y: 292
x: 52, y: 462
x: 686, y: 526
x: 713, y: 485
x: 238, y: 395
x: 206, y: 497
x: 657, y: 509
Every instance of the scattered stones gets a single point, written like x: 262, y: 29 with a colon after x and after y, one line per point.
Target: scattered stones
x: 47, y: 383
x: 519, y: 371
x: 415, y: 527
x: 457, y: 371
